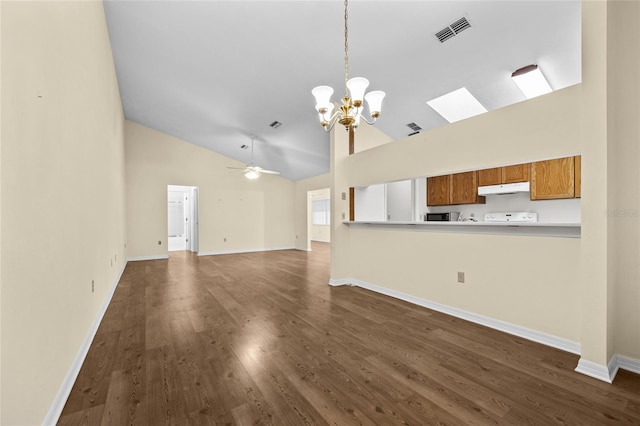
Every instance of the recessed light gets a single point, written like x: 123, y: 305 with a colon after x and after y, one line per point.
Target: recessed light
x: 457, y: 105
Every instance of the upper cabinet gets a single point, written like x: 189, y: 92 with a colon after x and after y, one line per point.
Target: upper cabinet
x: 506, y: 174
x: 463, y: 188
x: 438, y: 191
x: 516, y: 173
x: 490, y: 176
x: 553, y: 179
x: 578, y: 166
x: 458, y: 188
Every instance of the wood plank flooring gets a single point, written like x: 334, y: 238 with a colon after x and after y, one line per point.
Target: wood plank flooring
x: 262, y: 339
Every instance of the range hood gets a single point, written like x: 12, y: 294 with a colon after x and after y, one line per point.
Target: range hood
x: 504, y: 189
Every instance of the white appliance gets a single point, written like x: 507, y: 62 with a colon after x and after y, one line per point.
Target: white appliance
x: 505, y: 188
x: 511, y: 217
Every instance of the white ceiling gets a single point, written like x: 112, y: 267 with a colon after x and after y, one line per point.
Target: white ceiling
x: 213, y: 72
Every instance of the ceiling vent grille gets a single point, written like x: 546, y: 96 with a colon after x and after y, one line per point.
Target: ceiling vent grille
x: 445, y: 34
x: 414, y: 127
x: 275, y: 124
x: 452, y: 30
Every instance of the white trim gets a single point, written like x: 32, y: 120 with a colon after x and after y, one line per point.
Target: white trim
x: 526, y: 333
x: 627, y: 363
x: 238, y: 251
x: 338, y: 282
x: 606, y: 373
x: 139, y: 258
x: 53, y: 415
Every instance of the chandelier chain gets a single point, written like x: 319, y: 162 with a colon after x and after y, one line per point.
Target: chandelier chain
x: 346, y: 46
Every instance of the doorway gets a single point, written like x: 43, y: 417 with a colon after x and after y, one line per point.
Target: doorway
x: 182, y: 218
x: 318, y: 216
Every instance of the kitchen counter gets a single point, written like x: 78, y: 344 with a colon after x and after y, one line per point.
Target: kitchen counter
x: 567, y: 230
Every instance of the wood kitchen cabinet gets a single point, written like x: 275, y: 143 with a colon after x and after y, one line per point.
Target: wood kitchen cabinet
x: 553, y: 179
x: 516, y: 173
x: 506, y: 174
x: 490, y: 176
x: 438, y: 191
x: 458, y: 188
x: 463, y: 188
x: 577, y: 164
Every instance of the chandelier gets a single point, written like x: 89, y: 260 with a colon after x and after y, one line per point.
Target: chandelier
x: 350, y: 112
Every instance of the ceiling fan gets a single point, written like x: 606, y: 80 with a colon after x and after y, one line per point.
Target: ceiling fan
x: 252, y: 171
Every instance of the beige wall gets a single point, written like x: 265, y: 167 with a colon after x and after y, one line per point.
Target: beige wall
x: 62, y: 194
x: 531, y: 282
x: 251, y: 215
x: 624, y: 135
x: 301, y: 207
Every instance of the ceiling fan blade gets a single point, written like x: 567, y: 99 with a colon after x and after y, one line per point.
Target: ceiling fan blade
x: 270, y: 172
x: 236, y: 168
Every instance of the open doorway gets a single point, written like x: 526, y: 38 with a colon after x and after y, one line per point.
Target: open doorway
x: 318, y: 216
x: 182, y: 218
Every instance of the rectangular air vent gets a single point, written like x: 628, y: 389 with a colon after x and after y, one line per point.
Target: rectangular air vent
x: 460, y: 25
x: 275, y: 124
x: 452, y: 30
x: 445, y: 34
x: 414, y: 127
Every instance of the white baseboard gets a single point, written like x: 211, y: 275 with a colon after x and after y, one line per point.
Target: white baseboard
x: 139, y: 258
x: 60, y: 400
x: 606, y: 373
x: 238, y: 251
x: 627, y: 363
x: 526, y: 333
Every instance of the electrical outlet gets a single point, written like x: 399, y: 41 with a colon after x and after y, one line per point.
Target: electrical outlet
x: 344, y: 195
x: 461, y: 277
x: 159, y: 242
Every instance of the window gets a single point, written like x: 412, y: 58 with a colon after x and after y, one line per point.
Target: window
x: 320, y: 212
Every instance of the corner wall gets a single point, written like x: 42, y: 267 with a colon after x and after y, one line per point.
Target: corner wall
x: 62, y: 189
x: 250, y: 215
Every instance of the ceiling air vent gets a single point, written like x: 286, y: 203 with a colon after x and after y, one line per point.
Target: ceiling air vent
x: 452, y: 30
x: 460, y: 25
x: 275, y: 124
x: 445, y: 34
x: 244, y: 146
x: 414, y: 127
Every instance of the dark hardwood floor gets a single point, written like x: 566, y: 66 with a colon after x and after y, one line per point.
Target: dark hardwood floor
x: 261, y: 338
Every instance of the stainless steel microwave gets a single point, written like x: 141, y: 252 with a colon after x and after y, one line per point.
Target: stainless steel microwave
x: 442, y: 217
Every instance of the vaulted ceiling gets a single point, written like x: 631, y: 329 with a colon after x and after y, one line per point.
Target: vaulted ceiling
x: 213, y: 72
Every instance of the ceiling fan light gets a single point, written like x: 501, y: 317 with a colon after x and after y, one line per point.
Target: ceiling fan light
x: 374, y: 100
x: 252, y: 174
x: 357, y: 87
x: 323, y: 96
x: 531, y: 81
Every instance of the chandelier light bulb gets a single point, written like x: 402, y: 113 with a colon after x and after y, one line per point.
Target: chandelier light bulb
x: 357, y: 87
x: 323, y: 96
x: 374, y: 100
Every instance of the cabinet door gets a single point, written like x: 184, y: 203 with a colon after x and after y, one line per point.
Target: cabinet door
x: 516, y: 173
x: 490, y: 176
x: 438, y: 191
x: 464, y: 188
x: 553, y: 179
x: 578, y: 166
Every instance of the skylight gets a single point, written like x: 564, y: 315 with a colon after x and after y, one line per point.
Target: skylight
x: 457, y: 105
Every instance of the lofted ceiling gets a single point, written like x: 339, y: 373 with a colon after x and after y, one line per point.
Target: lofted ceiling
x: 213, y: 72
